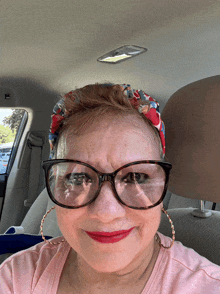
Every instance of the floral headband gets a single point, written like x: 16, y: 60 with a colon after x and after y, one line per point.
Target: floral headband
x: 135, y: 97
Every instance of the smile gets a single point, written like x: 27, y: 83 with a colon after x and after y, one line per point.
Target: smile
x: 106, y: 237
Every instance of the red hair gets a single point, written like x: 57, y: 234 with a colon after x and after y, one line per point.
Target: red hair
x: 92, y: 102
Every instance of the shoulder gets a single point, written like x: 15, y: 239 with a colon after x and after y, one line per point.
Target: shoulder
x: 187, y: 256
x: 182, y: 265
x: 30, y: 264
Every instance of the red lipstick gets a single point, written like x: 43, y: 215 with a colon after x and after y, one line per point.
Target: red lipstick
x: 109, y: 237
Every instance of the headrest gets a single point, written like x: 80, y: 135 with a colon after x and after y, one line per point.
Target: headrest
x: 192, y: 120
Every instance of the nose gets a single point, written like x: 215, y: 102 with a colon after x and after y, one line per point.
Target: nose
x: 106, y: 207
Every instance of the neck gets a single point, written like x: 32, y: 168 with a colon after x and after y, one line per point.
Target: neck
x: 136, y: 273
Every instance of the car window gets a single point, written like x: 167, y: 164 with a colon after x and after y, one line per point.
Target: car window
x: 10, y: 120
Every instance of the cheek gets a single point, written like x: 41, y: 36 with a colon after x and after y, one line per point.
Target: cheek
x: 150, y: 221
x: 68, y: 220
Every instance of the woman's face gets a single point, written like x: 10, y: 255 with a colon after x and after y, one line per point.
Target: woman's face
x: 108, y: 145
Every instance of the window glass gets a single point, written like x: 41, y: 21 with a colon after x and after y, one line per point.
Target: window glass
x: 10, y: 120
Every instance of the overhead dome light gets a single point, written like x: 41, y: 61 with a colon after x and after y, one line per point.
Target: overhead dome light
x: 122, y: 53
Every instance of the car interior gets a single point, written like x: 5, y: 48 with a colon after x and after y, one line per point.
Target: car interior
x: 169, y: 49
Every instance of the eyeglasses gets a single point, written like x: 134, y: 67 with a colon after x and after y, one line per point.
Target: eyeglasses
x: 138, y: 185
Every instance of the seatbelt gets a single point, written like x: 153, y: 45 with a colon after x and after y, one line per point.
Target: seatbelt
x: 35, y: 143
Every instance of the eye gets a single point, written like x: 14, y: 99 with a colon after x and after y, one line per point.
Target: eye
x: 132, y: 178
x: 77, y: 179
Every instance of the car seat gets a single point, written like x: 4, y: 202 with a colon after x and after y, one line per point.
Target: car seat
x: 200, y: 233
x: 191, y: 117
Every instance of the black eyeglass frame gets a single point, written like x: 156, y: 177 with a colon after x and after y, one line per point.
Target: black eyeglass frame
x: 106, y: 177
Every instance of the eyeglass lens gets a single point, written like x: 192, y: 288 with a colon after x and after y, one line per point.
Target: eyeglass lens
x: 139, y: 185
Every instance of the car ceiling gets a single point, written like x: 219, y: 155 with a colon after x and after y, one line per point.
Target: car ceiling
x: 58, y: 42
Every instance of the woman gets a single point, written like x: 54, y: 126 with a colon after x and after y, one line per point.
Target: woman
x: 108, y: 179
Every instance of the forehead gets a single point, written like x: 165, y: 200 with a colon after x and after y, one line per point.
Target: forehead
x: 110, y: 143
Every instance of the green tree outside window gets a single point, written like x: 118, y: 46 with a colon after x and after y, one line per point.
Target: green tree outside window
x: 14, y: 120
x: 6, y: 134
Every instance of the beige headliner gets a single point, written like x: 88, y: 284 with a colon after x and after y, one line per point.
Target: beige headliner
x: 58, y: 42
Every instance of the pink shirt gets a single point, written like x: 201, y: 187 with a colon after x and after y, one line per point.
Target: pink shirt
x: 179, y: 270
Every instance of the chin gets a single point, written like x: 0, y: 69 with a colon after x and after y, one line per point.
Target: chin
x: 109, y: 262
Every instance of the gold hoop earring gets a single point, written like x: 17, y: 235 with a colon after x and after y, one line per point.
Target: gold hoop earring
x: 173, y: 232
x: 41, y: 229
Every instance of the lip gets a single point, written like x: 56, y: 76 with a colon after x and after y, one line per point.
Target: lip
x: 109, y: 237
